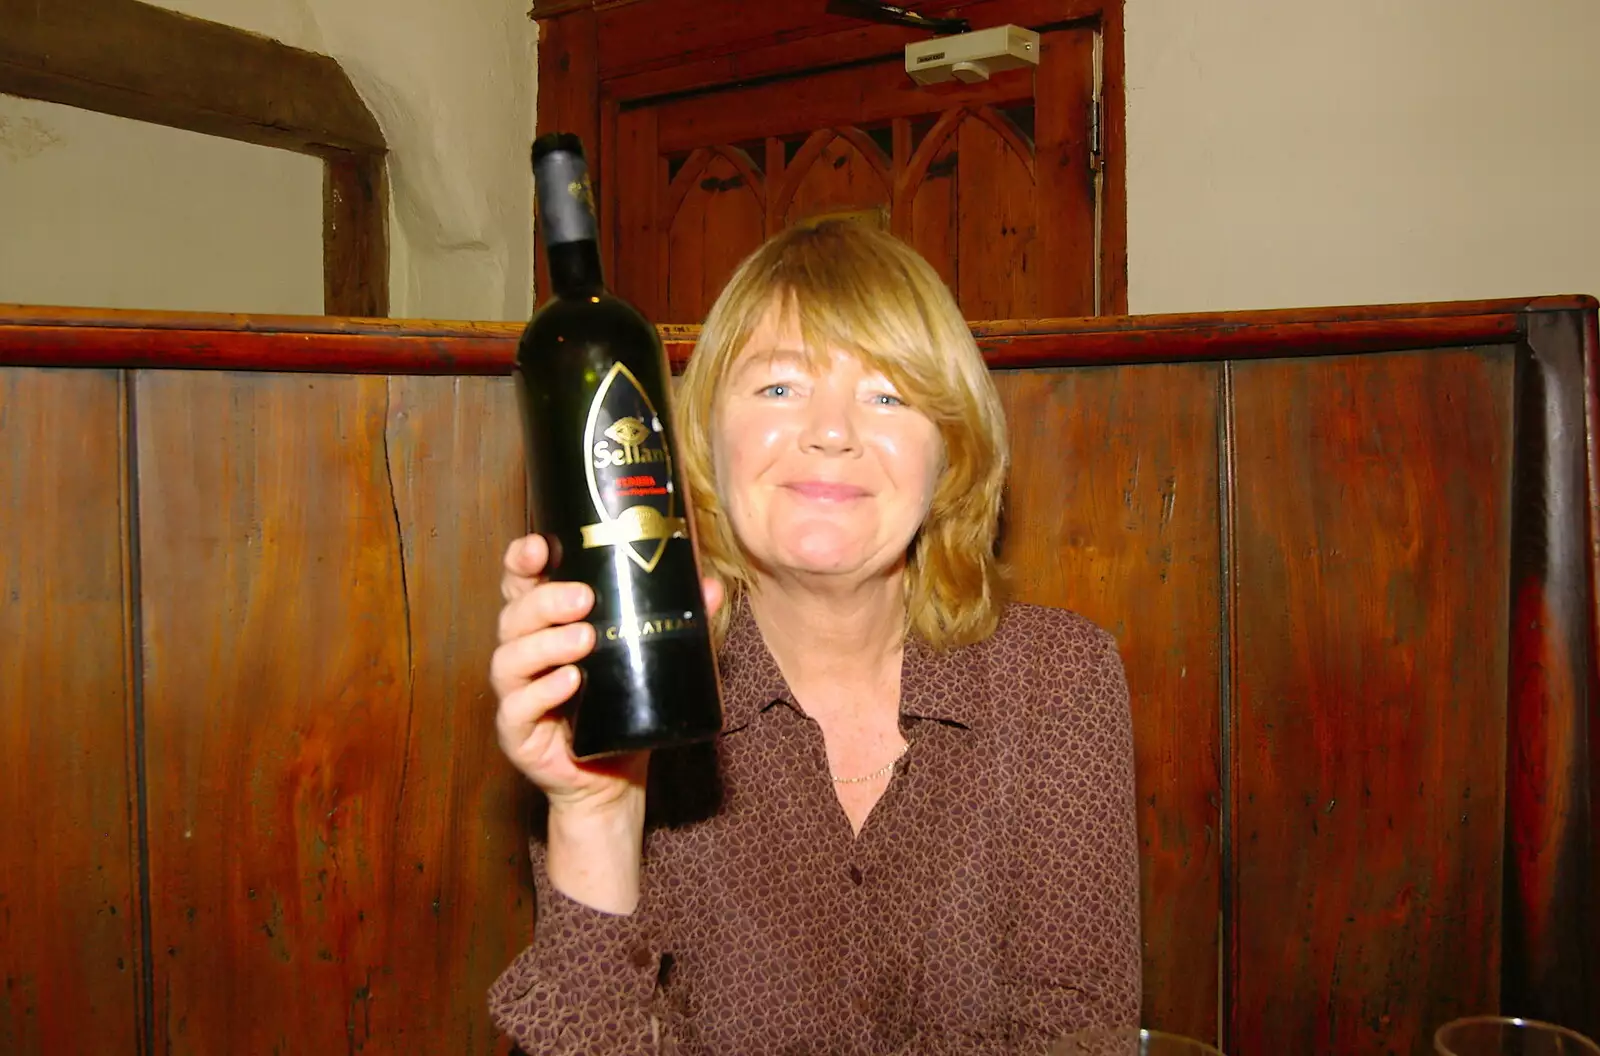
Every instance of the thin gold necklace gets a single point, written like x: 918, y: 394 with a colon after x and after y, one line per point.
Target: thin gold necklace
x: 882, y: 771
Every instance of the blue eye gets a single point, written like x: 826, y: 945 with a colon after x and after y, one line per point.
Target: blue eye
x: 885, y: 399
x: 778, y: 389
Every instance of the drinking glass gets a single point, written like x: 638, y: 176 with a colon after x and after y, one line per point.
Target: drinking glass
x: 1129, y: 1041
x: 1505, y: 1036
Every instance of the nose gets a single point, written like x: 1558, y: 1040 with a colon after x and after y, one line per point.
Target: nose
x: 830, y: 426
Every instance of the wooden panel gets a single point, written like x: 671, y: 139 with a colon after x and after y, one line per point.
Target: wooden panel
x: 930, y: 218
x: 720, y: 221
x: 859, y: 96
x: 722, y: 72
x: 672, y: 34
x: 838, y: 177
x: 461, y: 904
x: 995, y: 214
x: 961, y: 178
x: 638, y: 201
x: 69, y: 942
x: 1371, y: 546
x: 277, y: 707
x: 1113, y: 511
x: 337, y: 853
x: 1066, y: 193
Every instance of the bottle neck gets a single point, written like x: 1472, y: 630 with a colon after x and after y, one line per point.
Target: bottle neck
x: 575, y: 269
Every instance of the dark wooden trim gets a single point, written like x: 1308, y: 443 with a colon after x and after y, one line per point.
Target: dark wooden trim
x: 1591, y: 381
x: 253, y: 351
x: 1114, y: 174
x: 21, y: 315
x: 756, y: 39
x: 133, y: 680
x: 836, y: 99
x: 147, y: 63
x: 568, y: 99
x: 134, y: 60
x: 1548, y: 968
x: 788, y: 57
x: 355, y: 236
x: 55, y: 315
x: 805, y: 50
x: 35, y: 336
x: 1229, y: 956
x: 543, y: 9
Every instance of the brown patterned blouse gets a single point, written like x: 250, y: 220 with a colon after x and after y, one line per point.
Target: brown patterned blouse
x: 990, y: 902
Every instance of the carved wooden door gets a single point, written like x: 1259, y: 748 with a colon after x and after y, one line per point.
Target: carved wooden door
x: 996, y: 182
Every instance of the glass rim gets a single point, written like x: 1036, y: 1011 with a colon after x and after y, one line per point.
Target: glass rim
x: 1519, y: 1022
x: 1145, y: 1034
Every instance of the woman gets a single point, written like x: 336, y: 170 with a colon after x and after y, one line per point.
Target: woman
x: 915, y: 833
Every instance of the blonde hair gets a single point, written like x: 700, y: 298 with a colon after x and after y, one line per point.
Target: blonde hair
x: 863, y: 291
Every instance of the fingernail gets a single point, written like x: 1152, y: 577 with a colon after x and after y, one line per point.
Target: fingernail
x: 579, y: 634
x: 576, y: 594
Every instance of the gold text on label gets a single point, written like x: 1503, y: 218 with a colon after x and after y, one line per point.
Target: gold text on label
x: 646, y: 628
x: 629, y: 434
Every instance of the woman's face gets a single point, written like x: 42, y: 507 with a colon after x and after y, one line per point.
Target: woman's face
x: 822, y: 472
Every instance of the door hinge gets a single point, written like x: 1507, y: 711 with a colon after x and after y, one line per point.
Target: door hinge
x: 1096, y: 158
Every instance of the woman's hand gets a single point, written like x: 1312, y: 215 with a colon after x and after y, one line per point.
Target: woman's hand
x: 596, y: 822
x: 542, y: 637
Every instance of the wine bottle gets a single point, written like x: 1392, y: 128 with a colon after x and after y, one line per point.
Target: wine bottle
x: 605, y: 488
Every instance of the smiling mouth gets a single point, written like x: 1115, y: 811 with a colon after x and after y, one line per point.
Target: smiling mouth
x: 818, y: 491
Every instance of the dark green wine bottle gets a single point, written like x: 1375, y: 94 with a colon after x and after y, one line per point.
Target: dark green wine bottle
x: 605, y: 487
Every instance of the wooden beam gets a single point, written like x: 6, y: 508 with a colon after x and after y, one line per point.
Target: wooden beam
x: 355, y: 236
x: 146, y: 63
x: 133, y: 60
x: 1114, y: 174
x: 50, y: 336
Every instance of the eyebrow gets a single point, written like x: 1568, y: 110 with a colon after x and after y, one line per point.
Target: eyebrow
x: 770, y: 358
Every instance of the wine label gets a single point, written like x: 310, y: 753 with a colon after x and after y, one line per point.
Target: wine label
x: 629, y: 472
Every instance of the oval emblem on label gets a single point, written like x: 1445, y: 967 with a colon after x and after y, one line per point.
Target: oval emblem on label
x: 629, y: 471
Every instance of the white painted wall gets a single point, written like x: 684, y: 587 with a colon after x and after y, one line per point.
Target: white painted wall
x: 1299, y: 152
x: 1281, y: 153
x: 452, y: 85
x: 103, y: 212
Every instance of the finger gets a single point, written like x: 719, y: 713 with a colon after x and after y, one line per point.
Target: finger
x: 544, y: 606
x: 715, y: 594
x: 521, y: 712
x: 524, y: 659
x: 524, y: 562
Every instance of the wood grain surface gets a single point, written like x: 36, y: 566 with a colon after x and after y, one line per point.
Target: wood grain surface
x: 1372, y: 513
x: 1113, y: 511
x: 332, y: 849
x: 1347, y: 555
x: 69, y: 907
x: 34, y: 335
